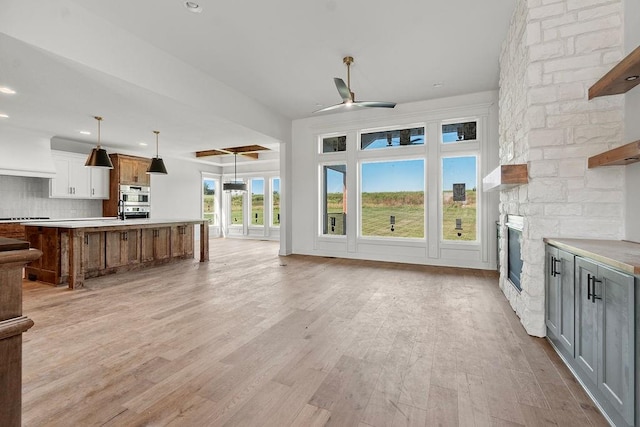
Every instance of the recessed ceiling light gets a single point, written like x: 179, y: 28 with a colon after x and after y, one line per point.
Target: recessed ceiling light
x: 85, y: 132
x: 7, y: 90
x: 632, y: 78
x: 144, y: 144
x: 193, y: 6
x: 4, y: 116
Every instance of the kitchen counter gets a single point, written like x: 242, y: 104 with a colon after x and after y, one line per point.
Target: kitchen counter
x: 620, y: 254
x: 75, y: 250
x: 94, y: 223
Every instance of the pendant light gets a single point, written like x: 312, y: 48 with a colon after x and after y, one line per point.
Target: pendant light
x: 99, y: 157
x: 234, y: 185
x: 157, y: 165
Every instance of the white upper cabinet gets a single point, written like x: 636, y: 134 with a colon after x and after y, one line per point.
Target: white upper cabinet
x: 99, y: 183
x: 76, y: 181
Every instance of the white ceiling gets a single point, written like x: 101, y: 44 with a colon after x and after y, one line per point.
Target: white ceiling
x: 278, y: 56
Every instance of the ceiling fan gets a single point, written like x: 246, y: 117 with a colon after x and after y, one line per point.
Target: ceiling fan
x: 348, y: 97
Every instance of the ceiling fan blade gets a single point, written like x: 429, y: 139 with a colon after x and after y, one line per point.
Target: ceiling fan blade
x: 378, y: 104
x: 333, y: 107
x: 343, y: 89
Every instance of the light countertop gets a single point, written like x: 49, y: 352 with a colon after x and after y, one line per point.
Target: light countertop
x: 110, y: 222
x: 620, y: 254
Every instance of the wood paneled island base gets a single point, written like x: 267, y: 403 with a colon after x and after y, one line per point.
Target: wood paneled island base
x: 77, y: 250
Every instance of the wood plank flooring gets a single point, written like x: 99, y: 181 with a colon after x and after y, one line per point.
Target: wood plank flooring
x: 253, y: 339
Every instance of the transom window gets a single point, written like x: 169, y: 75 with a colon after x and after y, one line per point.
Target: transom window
x: 392, y: 138
x: 459, y: 132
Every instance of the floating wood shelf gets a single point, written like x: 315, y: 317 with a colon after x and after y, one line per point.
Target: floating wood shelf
x: 627, y: 154
x: 505, y: 176
x: 620, y: 78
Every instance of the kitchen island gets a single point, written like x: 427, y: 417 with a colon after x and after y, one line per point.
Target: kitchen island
x: 73, y: 251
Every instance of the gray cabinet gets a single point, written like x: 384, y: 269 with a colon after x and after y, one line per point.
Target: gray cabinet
x: 560, y: 298
x: 590, y: 311
x: 605, y: 319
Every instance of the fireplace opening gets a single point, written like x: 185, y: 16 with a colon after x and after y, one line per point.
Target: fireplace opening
x: 515, y: 225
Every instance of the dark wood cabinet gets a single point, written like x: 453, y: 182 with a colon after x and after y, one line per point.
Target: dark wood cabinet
x: 156, y: 243
x: 46, y: 268
x: 133, y: 170
x: 182, y: 240
x: 122, y: 248
x: 94, y: 254
x: 129, y: 170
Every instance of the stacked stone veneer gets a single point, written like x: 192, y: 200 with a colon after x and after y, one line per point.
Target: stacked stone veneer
x: 554, y: 51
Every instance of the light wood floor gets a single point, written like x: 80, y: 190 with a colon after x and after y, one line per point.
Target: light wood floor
x: 253, y: 339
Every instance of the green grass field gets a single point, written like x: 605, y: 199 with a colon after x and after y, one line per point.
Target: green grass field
x: 408, y: 209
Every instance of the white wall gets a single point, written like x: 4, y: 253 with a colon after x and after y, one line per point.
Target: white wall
x: 304, y: 181
x: 179, y: 193
x: 632, y: 125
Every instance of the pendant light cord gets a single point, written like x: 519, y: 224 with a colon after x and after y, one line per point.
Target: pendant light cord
x: 157, y: 132
x: 99, y: 119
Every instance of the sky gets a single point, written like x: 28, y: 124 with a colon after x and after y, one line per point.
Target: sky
x: 408, y: 175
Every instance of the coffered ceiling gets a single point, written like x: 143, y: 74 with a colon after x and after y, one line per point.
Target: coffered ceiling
x: 238, y: 72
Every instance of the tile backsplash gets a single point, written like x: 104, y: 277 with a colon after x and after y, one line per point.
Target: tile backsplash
x: 29, y: 197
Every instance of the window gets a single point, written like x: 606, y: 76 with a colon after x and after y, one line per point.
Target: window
x: 392, y: 138
x: 334, y: 143
x: 237, y: 212
x: 458, y: 132
x: 334, y: 199
x: 257, y: 201
x: 459, y: 183
x: 275, y: 201
x: 392, y: 199
x: 209, y: 201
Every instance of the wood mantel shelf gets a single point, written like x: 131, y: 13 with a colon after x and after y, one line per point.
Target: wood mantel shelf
x: 506, y: 176
x: 624, y: 155
x: 621, y: 78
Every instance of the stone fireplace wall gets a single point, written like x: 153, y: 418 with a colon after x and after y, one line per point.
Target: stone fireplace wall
x: 554, y: 51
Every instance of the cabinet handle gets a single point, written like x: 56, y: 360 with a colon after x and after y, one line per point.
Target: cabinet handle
x: 86, y: 240
x: 70, y: 190
x: 93, y: 191
x: 589, y: 277
x: 555, y: 262
x: 594, y: 297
